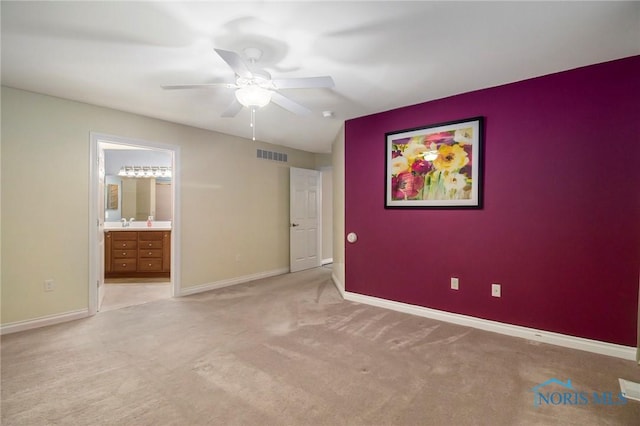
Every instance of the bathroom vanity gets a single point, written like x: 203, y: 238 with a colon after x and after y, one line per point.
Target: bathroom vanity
x: 136, y: 252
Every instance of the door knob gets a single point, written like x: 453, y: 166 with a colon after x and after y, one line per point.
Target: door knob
x: 295, y: 224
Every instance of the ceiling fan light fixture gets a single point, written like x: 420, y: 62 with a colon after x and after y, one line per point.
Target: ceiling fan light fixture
x: 253, y: 96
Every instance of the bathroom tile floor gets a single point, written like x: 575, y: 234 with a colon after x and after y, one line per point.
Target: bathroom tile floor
x: 120, y: 293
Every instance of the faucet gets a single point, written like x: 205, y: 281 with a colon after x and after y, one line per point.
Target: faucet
x: 126, y: 224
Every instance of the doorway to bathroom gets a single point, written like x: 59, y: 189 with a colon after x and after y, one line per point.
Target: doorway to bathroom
x: 134, y: 235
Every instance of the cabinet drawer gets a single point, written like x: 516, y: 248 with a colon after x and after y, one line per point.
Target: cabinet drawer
x: 124, y: 265
x: 156, y: 244
x: 150, y: 265
x: 119, y: 254
x: 124, y: 235
x: 150, y: 252
x: 125, y: 245
x: 150, y: 235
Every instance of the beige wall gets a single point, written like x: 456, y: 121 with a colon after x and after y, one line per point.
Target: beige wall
x: 164, y: 203
x: 232, y: 204
x: 323, y: 161
x: 145, y: 198
x: 337, y: 153
x: 129, y: 203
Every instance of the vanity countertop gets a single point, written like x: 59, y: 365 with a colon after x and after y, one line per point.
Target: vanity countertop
x: 138, y: 226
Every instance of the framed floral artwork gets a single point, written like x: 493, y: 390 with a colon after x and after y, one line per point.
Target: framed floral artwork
x: 437, y: 166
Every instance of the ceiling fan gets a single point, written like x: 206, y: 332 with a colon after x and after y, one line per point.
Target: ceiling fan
x: 254, y: 87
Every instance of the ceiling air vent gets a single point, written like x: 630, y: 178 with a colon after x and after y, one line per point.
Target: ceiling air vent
x: 271, y: 155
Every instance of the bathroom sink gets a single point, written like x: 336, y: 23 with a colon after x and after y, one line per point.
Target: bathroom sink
x: 138, y: 225
x: 112, y: 225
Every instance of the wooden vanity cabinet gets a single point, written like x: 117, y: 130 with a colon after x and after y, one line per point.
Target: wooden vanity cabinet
x: 137, y: 254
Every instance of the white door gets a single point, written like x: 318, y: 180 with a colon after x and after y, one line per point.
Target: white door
x: 100, y: 223
x: 304, y: 219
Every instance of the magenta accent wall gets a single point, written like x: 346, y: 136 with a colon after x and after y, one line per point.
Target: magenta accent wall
x: 560, y: 227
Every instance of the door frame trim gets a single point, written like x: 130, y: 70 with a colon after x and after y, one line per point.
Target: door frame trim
x: 94, y: 216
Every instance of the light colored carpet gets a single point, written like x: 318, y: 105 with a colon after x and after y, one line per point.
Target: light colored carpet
x: 288, y: 351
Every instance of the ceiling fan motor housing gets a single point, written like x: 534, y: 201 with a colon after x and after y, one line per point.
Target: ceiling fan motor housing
x: 259, y: 78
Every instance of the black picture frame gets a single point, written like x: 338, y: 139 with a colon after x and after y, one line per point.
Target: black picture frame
x: 438, y: 166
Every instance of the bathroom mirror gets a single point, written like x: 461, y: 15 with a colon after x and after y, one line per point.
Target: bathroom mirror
x: 137, y: 198
x: 133, y: 189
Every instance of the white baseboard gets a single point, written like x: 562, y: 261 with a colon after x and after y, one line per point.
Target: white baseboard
x: 327, y: 261
x: 14, y: 327
x: 231, y: 281
x: 595, y: 346
x: 338, y: 285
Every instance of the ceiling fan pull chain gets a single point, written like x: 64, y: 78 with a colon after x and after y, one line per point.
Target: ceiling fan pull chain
x: 253, y: 122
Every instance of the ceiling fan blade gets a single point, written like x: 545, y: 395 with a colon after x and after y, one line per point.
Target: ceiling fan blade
x: 235, y: 62
x: 289, y: 105
x: 198, y: 86
x: 233, y: 109
x: 304, y: 82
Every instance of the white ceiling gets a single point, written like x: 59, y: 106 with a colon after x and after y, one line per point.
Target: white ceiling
x: 381, y: 54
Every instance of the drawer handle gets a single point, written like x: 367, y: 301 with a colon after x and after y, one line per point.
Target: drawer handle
x: 124, y: 264
x: 124, y: 245
x: 124, y: 253
x: 149, y: 244
x: 149, y: 264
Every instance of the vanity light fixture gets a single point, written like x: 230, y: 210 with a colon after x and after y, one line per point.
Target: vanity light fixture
x: 145, y: 171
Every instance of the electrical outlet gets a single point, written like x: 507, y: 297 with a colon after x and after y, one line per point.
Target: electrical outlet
x: 454, y: 283
x: 495, y: 290
x: 48, y: 285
